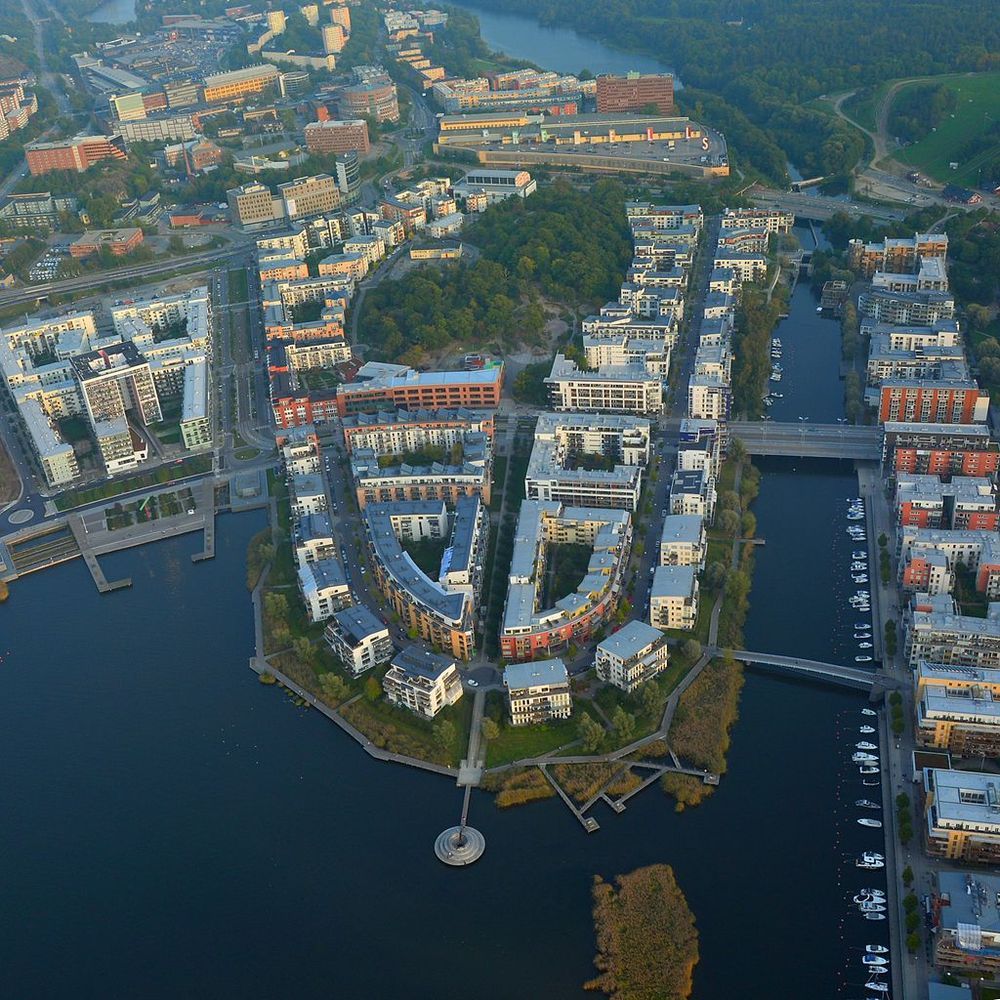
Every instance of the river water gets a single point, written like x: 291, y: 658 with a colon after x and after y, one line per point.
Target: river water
x: 559, y: 49
x: 113, y: 12
x: 174, y: 828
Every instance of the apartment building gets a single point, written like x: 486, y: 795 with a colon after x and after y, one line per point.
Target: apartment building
x: 614, y: 388
x: 962, y: 815
x: 923, y: 308
x: 939, y: 449
x: 412, y: 390
x: 313, y: 539
x: 899, y: 255
x: 375, y: 98
x: 337, y: 136
x: 57, y: 458
x: 375, y: 483
x: 528, y: 629
x: 77, y: 154
x: 239, y: 83
x: 966, y: 932
x: 195, y: 422
x: 934, y: 630
x: 774, y: 220
x: 673, y: 597
x: 923, y: 401
x: 645, y: 213
x: 652, y: 354
x: 422, y: 681
x: 588, y: 460
x: 635, y: 92
x: 745, y: 266
x: 924, y: 501
x: 683, y: 541
x: 439, y: 613
x: 693, y: 492
x: 308, y: 494
x: 253, y: 204
x: 396, y: 432
x: 323, y: 588
x: 309, y: 196
x: 117, y: 242
x: 358, y: 639
x: 114, y: 380
x: 634, y: 654
x: 957, y: 709
x: 537, y: 691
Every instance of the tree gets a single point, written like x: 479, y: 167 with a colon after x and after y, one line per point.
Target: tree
x: 649, y: 698
x: 691, y: 649
x: 333, y: 686
x: 913, y: 942
x: 907, y: 875
x: 490, y: 729
x: 902, y: 801
x: 715, y: 574
x: 373, y: 690
x: 304, y: 650
x: 445, y: 736
x: 729, y: 522
x: 912, y: 921
x: 624, y: 724
x: 729, y: 500
x: 590, y: 733
x: 737, y: 450
x: 748, y: 525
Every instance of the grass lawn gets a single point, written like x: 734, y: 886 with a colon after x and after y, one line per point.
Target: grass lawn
x: 519, y: 742
x: 238, y: 285
x: 197, y: 465
x: 978, y: 109
x: 245, y: 454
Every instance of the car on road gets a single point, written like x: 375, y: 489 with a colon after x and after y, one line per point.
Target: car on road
x: 473, y: 683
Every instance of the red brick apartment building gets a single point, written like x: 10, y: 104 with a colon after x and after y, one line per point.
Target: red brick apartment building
x: 73, y: 154
x: 635, y: 91
x: 930, y: 402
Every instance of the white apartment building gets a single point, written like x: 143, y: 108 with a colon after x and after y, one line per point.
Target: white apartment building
x: 673, y: 597
x: 537, y: 691
x: 683, y: 541
x: 613, y: 389
x: 323, y: 587
x: 358, y: 639
x: 422, y: 681
x: 634, y: 654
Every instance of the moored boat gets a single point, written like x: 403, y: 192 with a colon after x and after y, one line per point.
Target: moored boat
x: 865, y: 821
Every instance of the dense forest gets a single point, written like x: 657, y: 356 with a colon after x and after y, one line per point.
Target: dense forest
x: 917, y: 111
x: 770, y: 57
x: 561, y: 244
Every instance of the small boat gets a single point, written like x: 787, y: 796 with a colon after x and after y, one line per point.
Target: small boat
x: 862, y: 635
x: 871, y: 907
x: 868, y: 769
x: 860, y: 578
x: 872, y: 782
x: 864, y: 758
x: 875, y: 916
x: 875, y: 823
x: 855, y: 516
x: 863, y: 745
x: 864, y: 645
x: 877, y: 970
x: 866, y: 729
x: 819, y: 309
x: 777, y: 395
x: 867, y: 804
x: 873, y: 854
x: 872, y: 892
x: 861, y: 627
x: 859, y: 554
x: 768, y: 402
x: 861, y: 863
x: 862, y: 659
x: 877, y: 987
x: 859, y: 565
x: 868, y: 711
x: 874, y: 960
x: 862, y: 897
x: 876, y: 949
x: 862, y: 593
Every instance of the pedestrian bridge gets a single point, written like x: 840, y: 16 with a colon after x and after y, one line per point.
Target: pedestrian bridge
x: 806, y: 440
x: 835, y: 673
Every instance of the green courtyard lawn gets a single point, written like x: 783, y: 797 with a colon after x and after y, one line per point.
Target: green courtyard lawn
x: 978, y: 110
x: 238, y: 285
x: 520, y: 742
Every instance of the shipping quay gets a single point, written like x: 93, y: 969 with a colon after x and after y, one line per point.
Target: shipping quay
x: 118, y: 524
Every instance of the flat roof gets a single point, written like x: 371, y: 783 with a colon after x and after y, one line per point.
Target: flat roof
x: 673, y: 581
x: 420, y: 662
x: 195, y: 403
x: 972, y: 900
x: 685, y: 529
x: 539, y: 673
x: 357, y: 623
x: 630, y: 640
x: 956, y: 794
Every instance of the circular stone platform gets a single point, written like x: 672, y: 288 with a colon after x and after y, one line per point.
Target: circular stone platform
x: 460, y: 845
x: 21, y: 516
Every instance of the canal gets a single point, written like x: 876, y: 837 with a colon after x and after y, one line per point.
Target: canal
x: 113, y: 12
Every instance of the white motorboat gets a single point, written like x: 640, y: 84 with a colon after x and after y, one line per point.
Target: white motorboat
x: 863, y: 745
x: 873, y: 865
x: 858, y: 564
x: 864, y: 645
x: 872, y: 892
x: 862, y: 635
x: 877, y: 987
x: 875, y: 916
x: 776, y: 341
x: 867, y: 804
x: 768, y: 402
x: 874, y: 960
x: 862, y: 593
x: 863, y: 897
x: 868, y: 711
x: 871, y: 907
x: 777, y: 395
x: 862, y: 659
x: 868, y: 769
x: 877, y: 970
x: 874, y: 823
x: 871, y: 782
x: 860, y: 578
x: 864, y: 758
x: 876, y: 949
x: 859, y: 554
x: 855, y: 516
x: 862, y: 626
x: 873, y: 854
x: 775, y: 376
x: 866, y: 729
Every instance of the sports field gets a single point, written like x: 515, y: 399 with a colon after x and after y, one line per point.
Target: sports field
x: 977, y: 111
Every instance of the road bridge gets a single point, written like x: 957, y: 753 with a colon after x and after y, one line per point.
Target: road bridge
x: 807, y: 440
x: 819, y: 208
x: 834, y: 673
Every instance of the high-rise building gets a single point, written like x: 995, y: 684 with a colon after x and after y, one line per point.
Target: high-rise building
x: 73, y: 154
x: 635, y: 92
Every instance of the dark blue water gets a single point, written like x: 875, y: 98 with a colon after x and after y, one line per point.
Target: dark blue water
x: 173, y: 828
x: 558, y: 49
x: 113, y: 12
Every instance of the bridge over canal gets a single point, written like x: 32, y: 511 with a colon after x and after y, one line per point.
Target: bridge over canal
x: 808, y: 440
x: 834, y: 673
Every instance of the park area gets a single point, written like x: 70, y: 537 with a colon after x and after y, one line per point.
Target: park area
x: 977, y: 113
x: 151, y: 508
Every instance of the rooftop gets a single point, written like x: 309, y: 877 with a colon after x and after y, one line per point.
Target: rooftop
x: 357, y: 623
x: 540, y: 673
x: 630, y: 640
x: 419, y: 662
